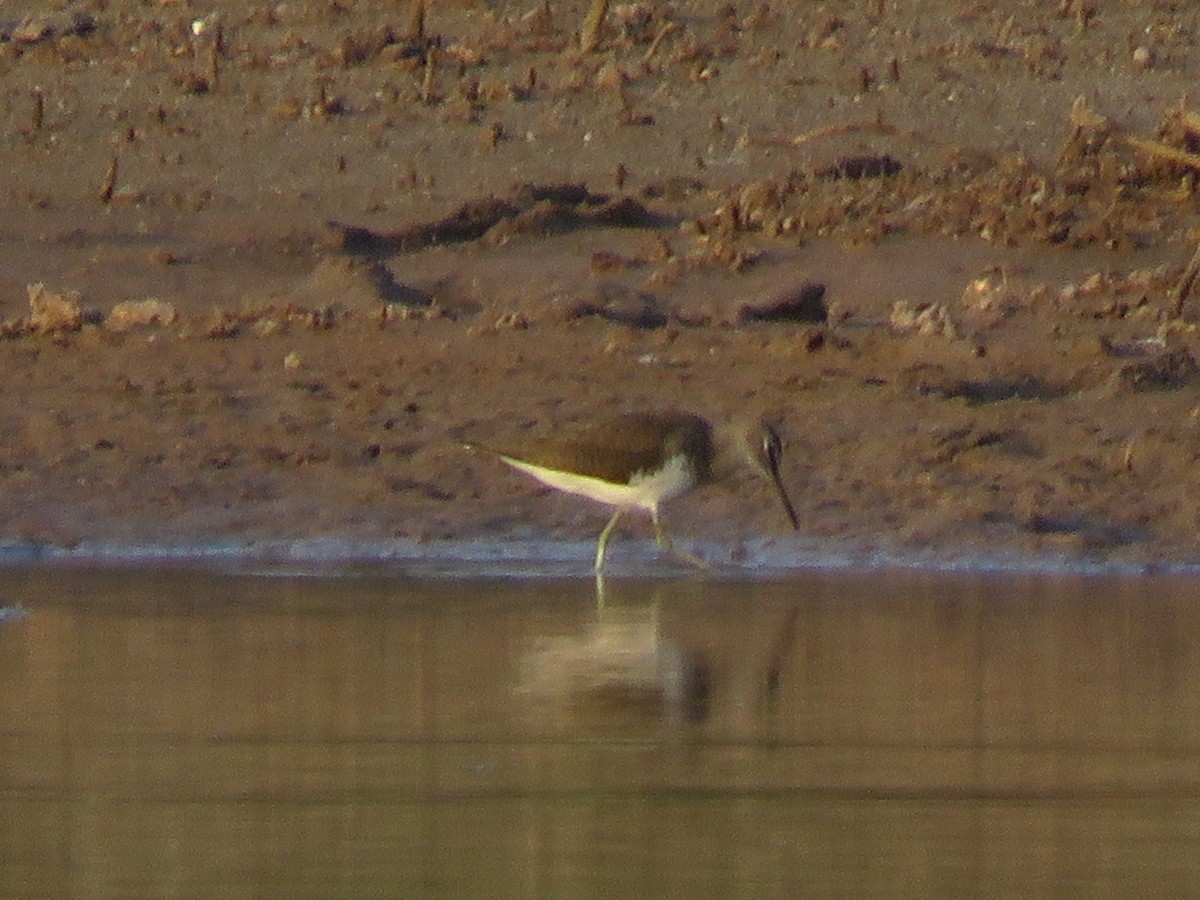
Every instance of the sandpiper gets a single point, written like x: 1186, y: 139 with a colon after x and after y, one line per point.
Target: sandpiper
x: 638, y: 460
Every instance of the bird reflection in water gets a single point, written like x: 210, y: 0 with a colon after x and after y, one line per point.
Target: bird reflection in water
x: 625, y: 664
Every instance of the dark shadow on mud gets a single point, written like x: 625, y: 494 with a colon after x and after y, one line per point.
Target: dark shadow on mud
x: 978, y: 392
x: 529, y: 209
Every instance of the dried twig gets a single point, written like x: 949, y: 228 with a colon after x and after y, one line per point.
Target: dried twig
x: 110, y: 181
x: 1162, y: 151
x: 666, y: 29
x: 214, y: 58
x: 589, y: 37
x: 427, y: 95
x: 416, y: 23
x: 843, y: 128
x: 1184, y: 286
x: 38, y: 115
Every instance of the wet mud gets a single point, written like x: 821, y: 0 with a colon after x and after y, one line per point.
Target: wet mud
x: 265, y: 267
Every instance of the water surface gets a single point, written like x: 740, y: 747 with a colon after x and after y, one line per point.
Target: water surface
x: 185, y: 734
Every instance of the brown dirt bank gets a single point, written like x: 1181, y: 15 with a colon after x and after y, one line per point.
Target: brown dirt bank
x: 367, y: 241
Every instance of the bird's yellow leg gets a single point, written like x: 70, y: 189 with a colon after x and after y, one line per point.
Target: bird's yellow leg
x: 602, y: 544
x: 665, y: 542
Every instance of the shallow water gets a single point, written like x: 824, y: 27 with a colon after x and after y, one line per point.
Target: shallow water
x: 179, y: 734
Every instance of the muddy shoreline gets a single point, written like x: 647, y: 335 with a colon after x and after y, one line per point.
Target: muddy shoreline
x: 288, y: 258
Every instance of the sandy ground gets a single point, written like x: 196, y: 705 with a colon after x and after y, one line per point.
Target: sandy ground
x: 291, y: 252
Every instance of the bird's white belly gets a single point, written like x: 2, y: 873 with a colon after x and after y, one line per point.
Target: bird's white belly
x: 644, y: 490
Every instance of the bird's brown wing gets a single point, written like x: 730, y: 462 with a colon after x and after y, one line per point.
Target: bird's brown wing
x: 617, y: 447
